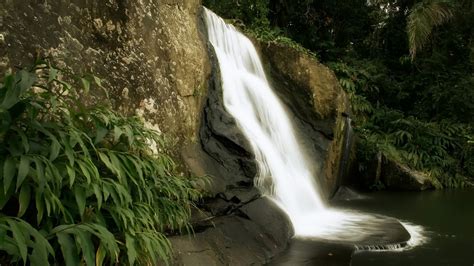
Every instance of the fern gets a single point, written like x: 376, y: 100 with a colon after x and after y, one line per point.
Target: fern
x: 436, y: 148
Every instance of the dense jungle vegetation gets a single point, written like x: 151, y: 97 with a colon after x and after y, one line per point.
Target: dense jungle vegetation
x: 407, y: 66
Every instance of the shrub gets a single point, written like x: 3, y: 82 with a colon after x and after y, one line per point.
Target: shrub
x: 81, y: 183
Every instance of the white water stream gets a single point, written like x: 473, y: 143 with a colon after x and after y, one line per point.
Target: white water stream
x: 284, y: 169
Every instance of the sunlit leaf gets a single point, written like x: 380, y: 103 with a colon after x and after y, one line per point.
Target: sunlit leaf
x: 85, y: 85
x: 20, y: 239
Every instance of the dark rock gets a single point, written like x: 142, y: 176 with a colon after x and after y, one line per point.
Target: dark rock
x: 276, y: 223
x: 231, y: 160
x: 387, y: 231
x: 369, y: 175
x: 388, y: 173
x: 234, y: 241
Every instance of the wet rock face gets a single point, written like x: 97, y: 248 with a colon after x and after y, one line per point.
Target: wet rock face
x: 233, y: 162
x: 238, y: 225
x: 150, y: 53
x: 319, y: 107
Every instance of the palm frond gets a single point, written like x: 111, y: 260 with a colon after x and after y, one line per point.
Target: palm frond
x: 422, y: 19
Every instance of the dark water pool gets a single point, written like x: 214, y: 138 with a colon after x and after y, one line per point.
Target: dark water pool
x: 447, y: 217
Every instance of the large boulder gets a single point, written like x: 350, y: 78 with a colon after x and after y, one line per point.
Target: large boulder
x: 152, y: 54
x: 251, y: 235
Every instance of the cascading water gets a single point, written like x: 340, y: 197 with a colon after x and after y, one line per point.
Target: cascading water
x: 284, y: 173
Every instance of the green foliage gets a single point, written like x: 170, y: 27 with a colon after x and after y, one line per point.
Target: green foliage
x: 440, y: 149
x: 253, y: 13
x: 274, y: 35
x: 359, y: 83
x: 423, y: 17
x: 426, y: 15
x: 326, y: 27
x: 82, y: 184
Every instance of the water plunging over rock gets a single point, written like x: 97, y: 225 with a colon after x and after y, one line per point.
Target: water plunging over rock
x: 284, y: 171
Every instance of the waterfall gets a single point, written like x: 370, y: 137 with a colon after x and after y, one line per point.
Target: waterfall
x: 284, y: 173
x: 248, y: 97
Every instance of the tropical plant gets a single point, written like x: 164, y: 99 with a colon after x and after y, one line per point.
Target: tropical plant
x: 426, y: 15
x: 360, y: 83
x: 436, y: 148
x: 82, y: 184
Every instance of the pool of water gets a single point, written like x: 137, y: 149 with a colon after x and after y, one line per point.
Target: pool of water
x: 447, y: 217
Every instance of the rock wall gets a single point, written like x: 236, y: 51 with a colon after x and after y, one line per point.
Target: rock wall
x: 156, y: 63
x: 150, y: 53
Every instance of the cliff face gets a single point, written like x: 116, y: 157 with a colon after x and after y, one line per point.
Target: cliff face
x: 150, y: 54
x: 155, y: 61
